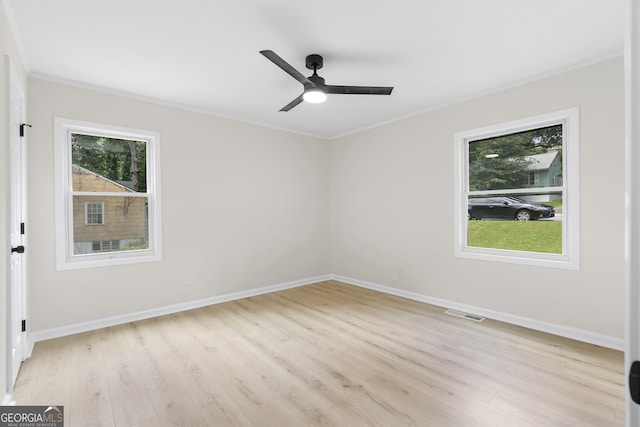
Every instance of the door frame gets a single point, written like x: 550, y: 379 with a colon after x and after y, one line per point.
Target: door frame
x: 632, y: 235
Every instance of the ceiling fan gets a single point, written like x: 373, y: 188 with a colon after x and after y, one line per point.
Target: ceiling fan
x: 315, y: 89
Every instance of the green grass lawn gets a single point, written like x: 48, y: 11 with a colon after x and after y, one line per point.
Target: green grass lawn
x: 530, y: 236
x: 555, y: 203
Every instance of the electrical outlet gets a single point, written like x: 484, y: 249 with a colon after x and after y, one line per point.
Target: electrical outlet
x: 186, y: 287
x: 394, y: 275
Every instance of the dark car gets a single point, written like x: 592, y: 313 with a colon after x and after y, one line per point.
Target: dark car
x: 508, y: 207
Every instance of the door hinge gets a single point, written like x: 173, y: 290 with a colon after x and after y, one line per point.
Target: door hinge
x: 22, y: 125
x: 22, y: 228
x: 24, y: 325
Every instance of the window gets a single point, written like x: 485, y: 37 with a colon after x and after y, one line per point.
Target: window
x: 108, y: 204
x: 517, y: 191
x: 94, y: 213
x: 105, y: 245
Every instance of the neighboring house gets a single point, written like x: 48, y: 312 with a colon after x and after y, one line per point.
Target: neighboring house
x: 105, y: 223
x: 545, y: 170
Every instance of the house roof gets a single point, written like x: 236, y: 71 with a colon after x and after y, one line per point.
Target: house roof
x: 541, y: 161
x: 83, y: 171
x: 204, y: 55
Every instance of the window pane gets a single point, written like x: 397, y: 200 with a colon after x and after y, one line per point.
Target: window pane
x: 515, y: 162
x: 529, y: 159
x: 519, y: 222
x: 108, y: 164
x: 124, y: 225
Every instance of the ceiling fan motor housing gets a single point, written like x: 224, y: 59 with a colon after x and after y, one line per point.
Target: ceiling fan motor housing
x: 314, y: 62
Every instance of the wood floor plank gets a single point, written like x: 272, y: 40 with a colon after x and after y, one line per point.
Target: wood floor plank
x: 130, y: 399
x: 90, y: 384
x: 327, y: 354
x: 49, y: 382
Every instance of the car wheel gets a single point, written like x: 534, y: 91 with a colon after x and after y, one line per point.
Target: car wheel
x: 523, y: 215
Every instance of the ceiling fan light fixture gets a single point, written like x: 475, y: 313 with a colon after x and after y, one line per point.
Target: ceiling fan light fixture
x: 314, y: 96
x: 315, y: 89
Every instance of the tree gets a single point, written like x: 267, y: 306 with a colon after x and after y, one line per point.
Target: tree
x: 501, y: 162
x: 134, y: 164
x: 115, y: 159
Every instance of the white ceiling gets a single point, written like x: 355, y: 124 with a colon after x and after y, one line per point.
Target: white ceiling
x: 203, y: 54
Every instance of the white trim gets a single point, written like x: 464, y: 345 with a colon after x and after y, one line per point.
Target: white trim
x: 490, y: 91
x: 65, y: 258
x: 493, y: 90
x: 632, y: 202
x: 8, y: 400
x: 570, y: 257
x: 35, y: 336
x: 163, y: 103
x: 6, y: 146
x: 563, y: 331
x: 551, y: 328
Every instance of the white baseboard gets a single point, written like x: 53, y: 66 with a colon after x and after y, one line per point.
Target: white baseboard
x: 563, y: 331
x: 47, y: 334
x: 8, y: 400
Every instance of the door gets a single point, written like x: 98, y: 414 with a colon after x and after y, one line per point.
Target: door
x: 479, y: 207
x: 16, y: 296
x: 500, y: 208
x: 491, y: 208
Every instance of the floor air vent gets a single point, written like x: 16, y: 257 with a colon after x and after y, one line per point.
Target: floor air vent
x: 464, y: 315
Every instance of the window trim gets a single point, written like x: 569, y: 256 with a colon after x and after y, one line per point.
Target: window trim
x: 570, y: 257
x: 65, y: 258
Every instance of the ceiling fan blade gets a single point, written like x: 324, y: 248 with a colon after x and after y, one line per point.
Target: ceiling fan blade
x: 292, y: 104
x: 360, y: 90
x: 273, y: 57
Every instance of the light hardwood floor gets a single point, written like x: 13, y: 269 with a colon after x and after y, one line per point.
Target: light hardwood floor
x: 324, y: 354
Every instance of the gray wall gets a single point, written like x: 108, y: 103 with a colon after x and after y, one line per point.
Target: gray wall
x: 392, y: 199
x: 243, y: 207
x: 257, y: 206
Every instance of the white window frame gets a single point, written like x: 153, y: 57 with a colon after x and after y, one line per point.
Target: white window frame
x: 570, y: 256
x: 86, y: 213
x: 65, y: 258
